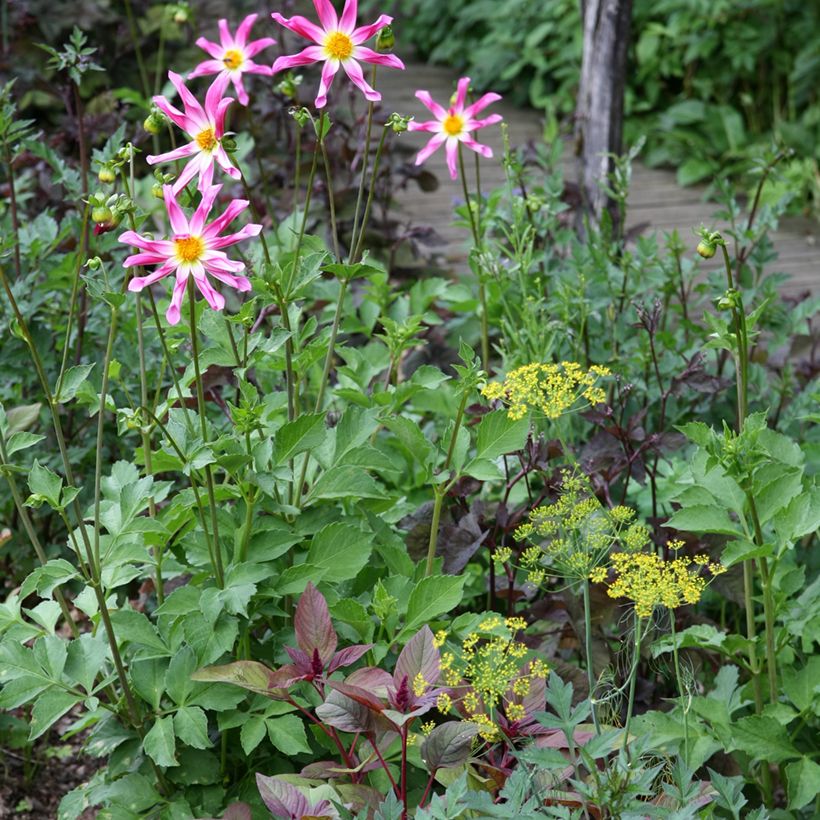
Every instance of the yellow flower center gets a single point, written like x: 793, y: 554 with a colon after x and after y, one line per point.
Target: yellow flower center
x: 339, y: 46
x: 232, y: 59
x: 206, y: 139
x: 189, y: 248
x: 453, y: 125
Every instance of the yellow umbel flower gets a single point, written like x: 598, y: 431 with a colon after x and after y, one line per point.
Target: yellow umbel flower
x: 547, y: 389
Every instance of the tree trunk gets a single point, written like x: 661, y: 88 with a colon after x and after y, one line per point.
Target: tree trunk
x: 600, y: 109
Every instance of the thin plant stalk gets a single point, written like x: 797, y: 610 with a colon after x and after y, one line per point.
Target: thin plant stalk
x: 15, y: 223
x: 681, y: 696
x: 203, y: 425
x: 365, y: 160
x: 588, y: 652
x: 633, y: 674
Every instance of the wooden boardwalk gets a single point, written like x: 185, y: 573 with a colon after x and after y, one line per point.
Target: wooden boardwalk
x: 655, y: 196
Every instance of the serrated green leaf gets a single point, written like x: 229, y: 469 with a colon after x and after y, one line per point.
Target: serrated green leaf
x: 339, y: 551
x: 252, y: 732
x: 804, y: 782
x: 704, y: 518
x: 191, y: 727
x: 72, y: 381
x: 294, y: 437
x: 160, y: 742
x: 287, y: 734
x: 498, y: 434
x: 763, y: 738
x: 430, y: 598
x: 49, y: 707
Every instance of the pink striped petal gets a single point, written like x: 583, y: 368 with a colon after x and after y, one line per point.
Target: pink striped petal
x: 215, y: 299
x: 197, y: 221
x: 235, y: 207
x: 160, y: 246
x: 219, y: 261
x: 139, y: 282
x: 370, y: 56
x: 144, y: 259
x: 329, y: 70
x: 193, y: 109
x: 481, y: 103
x: 474, y: 125
x: 179, y: 153
x: 221, y: 156
x: 478, y: 147
x: 364, y: 33
x: 177, y: 117
x: 225, y: 36
x: 311, y: 54
x: 231, y: 239
x: 430, y: 148
x: 179, y: 224
x: 428, y: 102
x: 354, y: 71
x: 255, y: 68
x: 205, y: 68
x: 214, y: 95
x: 244, y: 30
x: 206, y: 171
x: 252, y: 49
x: 327, y: 14
x: 433, y: 126
x: 173, y: 312
x: 301, y: 26
x: 214, y: 49
x: 219, y: 114
x: 188, y: 173
x: 347, y: 22
x: 240, y: 283
x: 451, y: 150
x: 241, y: 94
x: 461, y: 94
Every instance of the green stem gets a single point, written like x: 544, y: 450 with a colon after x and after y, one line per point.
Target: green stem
x: 15, y: 224
x: 331, y: 199
x: 633, y: 674
x: 365, y: 162
x: 679, y: 679
x: 203, y: 426
x: 357, y: 249
x: 588, y: 650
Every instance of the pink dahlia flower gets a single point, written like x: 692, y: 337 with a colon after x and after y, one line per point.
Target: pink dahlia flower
x: 455, y: 125
x: 205, y: 126
x: 338, y: 44
x: 192, y: 250
x: 232, y: 55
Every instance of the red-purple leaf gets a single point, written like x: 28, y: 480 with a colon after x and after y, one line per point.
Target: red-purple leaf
x: 536, y: 698
x: 419, y: 657
x: 346, y: 714
x: 372, y: 678
x: 286, y: 676
x: 284, y: 800
x: 247, y: 674
x: 345, y: 657
x: 313, y: 626
x: 448, y: 745
x: 357, y: 693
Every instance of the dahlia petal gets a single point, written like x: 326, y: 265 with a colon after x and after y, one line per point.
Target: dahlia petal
x: 451, y: 150
x: 231, y: 239
x: 252, y: 49
x: 354, y: 71
x: 311, y: 54
x: 241, y: 94
x: 214, y: 49
x: 205, y: 68
x: 255, y: 68
x: 235, y: 207
x: 327, y: 14
x: 188, y: 173
x: 224, y: 161
x: 192, y: 107
x: 160, y: 246
x: 197, y: 221
x: 221, y: 111
x: 219, y: 261
x: 369, y: 56
x: 175, y: 115
x: 461, y: 94
x: 240, y: 283
x: 478, y: 147
x: 364, y: 33
x: 173, y: 312
x: 146, y: 258
x: 179, y: 223
x: 206, y: 171
x: 214, y: 97
x: 138, y: 283
x: 433, y: 126
x: 215, y: 299
x: 329, y: 70
x: 431, y: 105
x: 347, y: 22
x: 474, y: 125
x: 225, y: 36
x: 244, y: 29
x: 178, y: 153
x: 432, y: 145
x: 481, y: 103
x: 301, y: 26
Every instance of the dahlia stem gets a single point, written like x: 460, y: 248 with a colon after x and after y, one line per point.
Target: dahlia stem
x: 203, y: 426
x: 15, y: 224
x: 371, y: 107
x: 357, y: 251
x: 331, y: 199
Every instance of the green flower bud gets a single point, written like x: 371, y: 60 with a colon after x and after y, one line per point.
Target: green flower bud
x: 706, y: 249
x: 398, y: 122
x: 101, y: 213
x: 95, y: 263
x: 229, y: 144
x: 156, y: 190
x: 106, y: 174
x: 385, y: 40
x: 288, y: 86
x: 154, y: 122
x: 301, y: 115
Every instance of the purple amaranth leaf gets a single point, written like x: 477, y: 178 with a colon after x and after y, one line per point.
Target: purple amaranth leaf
x: 419, y: 657
x: 372, y: 679
x: 344, y: 657
x: 313, y: 627
x: 346, y: 714
x: 357, y: 693
x: 284, y: 800
x: 309, y: 666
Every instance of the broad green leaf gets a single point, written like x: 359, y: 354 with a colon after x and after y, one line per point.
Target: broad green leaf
x: 248, y: 674
x: 339, y: 551
x: 72, y: 381
x: 49, y: 707
x: 160, y: 742
x: 21, y: 418
x: 430, y: 598
x: 86, y: 659
x: 45, y: 485
x: 763, y: 738
x: 42, y: 580
x: 484, y: 470
x: 804, y: 782
x: 294, y: 437
x: 148, y: 678
x: 801, y: 684
x: 191, y: 726
x: 134, y: 627
x: 498, y: 434
x: 702, y: 636
x: 704, y: 518
x: 741, y: 549
x: 21, y: 441
x: 346, y: 481
x: 178, y: 680
x: 287, y: 734
x: 252, y: 732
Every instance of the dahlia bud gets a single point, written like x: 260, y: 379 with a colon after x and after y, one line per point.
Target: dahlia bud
x: 706, y: 249
x: 94, y: 263
x: 101, y: 213
x: 181, y: 13
x: 156, y: 190
x: 385, y: 40
x: 398, y: 122
x: 229, y: 144
x: 106, y: 174
x: 153, y: 122
x: 301, y: 115
x: 288, y: 86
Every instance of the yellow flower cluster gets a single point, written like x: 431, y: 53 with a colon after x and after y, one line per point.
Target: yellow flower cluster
x: 549, y: 389
x: 649, y: 581
x: 419, y: 685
